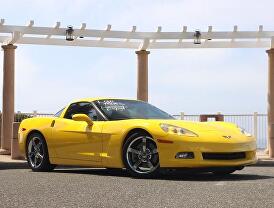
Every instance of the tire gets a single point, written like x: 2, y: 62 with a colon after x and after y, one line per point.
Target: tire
x: 224, y: 172
x: 140, y: 156
x: 37, y: 153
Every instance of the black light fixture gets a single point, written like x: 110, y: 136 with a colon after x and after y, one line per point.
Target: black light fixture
x: 69, y: 33
x: 197, y: 37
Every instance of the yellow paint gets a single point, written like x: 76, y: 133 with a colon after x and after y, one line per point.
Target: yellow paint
x: 73, y: 142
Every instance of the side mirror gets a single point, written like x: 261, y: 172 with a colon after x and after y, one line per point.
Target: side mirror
x: 82, y: 117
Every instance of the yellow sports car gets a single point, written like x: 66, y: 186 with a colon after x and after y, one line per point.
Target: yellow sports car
x: 131, y: 134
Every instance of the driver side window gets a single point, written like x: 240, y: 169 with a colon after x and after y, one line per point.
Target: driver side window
x: 82, y: 108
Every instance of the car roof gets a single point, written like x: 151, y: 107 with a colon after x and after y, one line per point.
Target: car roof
x: 98, y: 98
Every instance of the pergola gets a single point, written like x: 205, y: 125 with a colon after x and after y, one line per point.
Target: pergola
x: 132, y: 39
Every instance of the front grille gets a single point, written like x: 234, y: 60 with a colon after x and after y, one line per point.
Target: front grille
x: 223, y: 156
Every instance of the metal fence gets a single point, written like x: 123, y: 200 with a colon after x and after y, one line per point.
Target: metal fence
x: 256, y: 124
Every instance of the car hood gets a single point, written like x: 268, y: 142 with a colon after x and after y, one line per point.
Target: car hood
x: 199, y: 127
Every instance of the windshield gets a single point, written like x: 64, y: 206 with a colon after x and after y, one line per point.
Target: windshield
x: 116, y: 109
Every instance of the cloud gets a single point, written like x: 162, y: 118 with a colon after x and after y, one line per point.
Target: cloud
x: 172, y: 15
x: 48, y: 84
x: 26, y: 75
x: 209, y: 80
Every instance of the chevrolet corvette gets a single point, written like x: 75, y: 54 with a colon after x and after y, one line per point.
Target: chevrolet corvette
x: 135, y: 135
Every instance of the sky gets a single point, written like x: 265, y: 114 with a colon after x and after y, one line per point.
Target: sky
x: 193, y: 81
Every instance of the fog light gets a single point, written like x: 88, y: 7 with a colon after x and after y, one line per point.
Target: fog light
x: 184, y: 155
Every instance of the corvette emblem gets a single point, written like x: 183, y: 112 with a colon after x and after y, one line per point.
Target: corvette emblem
x: 227, y: 137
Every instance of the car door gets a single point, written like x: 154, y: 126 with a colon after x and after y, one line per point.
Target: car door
x: 75, y: 139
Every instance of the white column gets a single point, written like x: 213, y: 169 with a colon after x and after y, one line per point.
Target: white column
x: 270, y: 102
x: 8, y: 98
x: 142, y: 79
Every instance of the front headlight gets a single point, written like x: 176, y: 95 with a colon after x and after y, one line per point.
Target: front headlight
x: 243, y: 131
x: 177, y: 130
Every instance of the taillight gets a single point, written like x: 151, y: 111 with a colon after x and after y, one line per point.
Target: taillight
x: 23, y: 129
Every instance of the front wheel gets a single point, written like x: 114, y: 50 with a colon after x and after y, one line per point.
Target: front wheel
x: 37, y: 153
x: 141, y: 156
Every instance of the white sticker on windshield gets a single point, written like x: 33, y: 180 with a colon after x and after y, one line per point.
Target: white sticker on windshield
x: 113, y: 105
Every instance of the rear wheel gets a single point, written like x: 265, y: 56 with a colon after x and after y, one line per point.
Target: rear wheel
x: 37, y: 153
x: 140, y: 155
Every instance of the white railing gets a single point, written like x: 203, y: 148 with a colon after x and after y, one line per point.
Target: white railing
x: 255, y: 123
x: 19, y: 116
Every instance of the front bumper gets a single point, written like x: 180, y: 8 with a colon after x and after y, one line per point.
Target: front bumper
x: 168, y: 151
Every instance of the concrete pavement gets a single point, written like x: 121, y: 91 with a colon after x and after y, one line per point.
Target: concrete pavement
x: 88, y: 187
x: 84, y: 187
